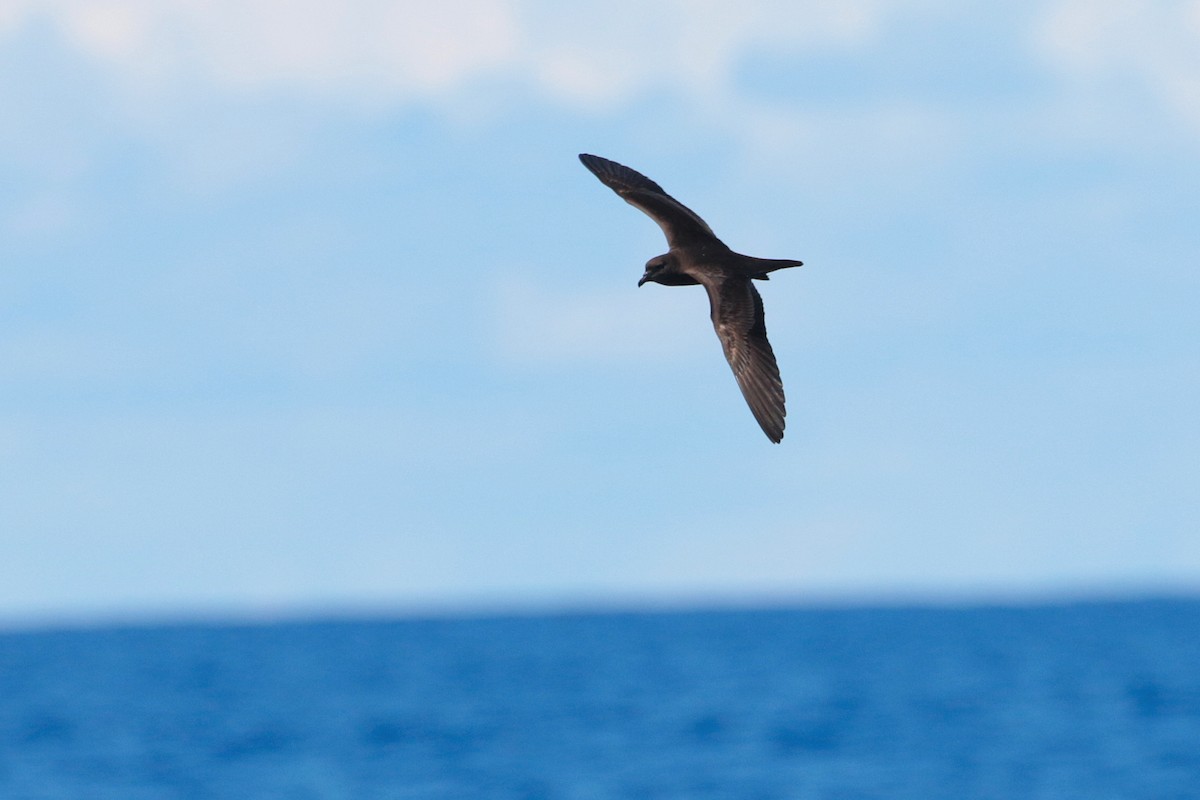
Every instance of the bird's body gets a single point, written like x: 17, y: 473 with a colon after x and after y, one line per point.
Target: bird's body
x: 697, y: 256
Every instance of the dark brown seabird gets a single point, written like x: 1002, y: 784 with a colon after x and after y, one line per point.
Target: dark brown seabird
x: 698, y: 256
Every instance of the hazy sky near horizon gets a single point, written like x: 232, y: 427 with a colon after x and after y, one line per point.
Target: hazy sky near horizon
x: 310, y: 306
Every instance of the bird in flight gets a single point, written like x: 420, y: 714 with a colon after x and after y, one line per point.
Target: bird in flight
x: 696, y: 255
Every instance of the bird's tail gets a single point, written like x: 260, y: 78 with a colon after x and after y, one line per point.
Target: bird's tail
x: 759, y: 267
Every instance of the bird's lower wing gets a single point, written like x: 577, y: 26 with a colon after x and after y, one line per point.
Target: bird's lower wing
x: 737, y: 315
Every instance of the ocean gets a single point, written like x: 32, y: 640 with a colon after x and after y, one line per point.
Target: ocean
x: 1085, y: 701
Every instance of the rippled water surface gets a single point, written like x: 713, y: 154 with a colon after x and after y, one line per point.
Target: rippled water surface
x: 1086, y: 701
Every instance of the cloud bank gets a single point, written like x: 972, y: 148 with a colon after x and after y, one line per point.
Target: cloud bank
x: 1109, y: 47
x: 589, y: 55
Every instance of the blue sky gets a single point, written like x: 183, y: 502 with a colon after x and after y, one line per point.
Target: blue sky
x: 309, y: 307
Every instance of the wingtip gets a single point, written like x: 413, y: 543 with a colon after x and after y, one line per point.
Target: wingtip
x: 594, y: 164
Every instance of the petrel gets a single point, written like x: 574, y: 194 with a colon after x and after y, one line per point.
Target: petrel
x: 696, y: 255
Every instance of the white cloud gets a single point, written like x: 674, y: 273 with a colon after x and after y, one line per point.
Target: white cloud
x: 677, y: 44
x: 41, y: 215
x: 537, y: 325
x: 1129, y: 68
x: 1108, y: 44
x: 395, y: 49
x: 588, y: 54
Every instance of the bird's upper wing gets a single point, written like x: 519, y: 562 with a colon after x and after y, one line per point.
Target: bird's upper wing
x: 679, y: 223
x: 737, y: 314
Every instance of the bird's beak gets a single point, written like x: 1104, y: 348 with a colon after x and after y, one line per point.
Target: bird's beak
x: 643, y: 280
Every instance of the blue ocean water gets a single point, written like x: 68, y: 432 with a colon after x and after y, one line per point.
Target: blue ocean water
x: 1087, y: 701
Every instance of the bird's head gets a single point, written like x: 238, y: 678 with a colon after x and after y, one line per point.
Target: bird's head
x: 657, y: 268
